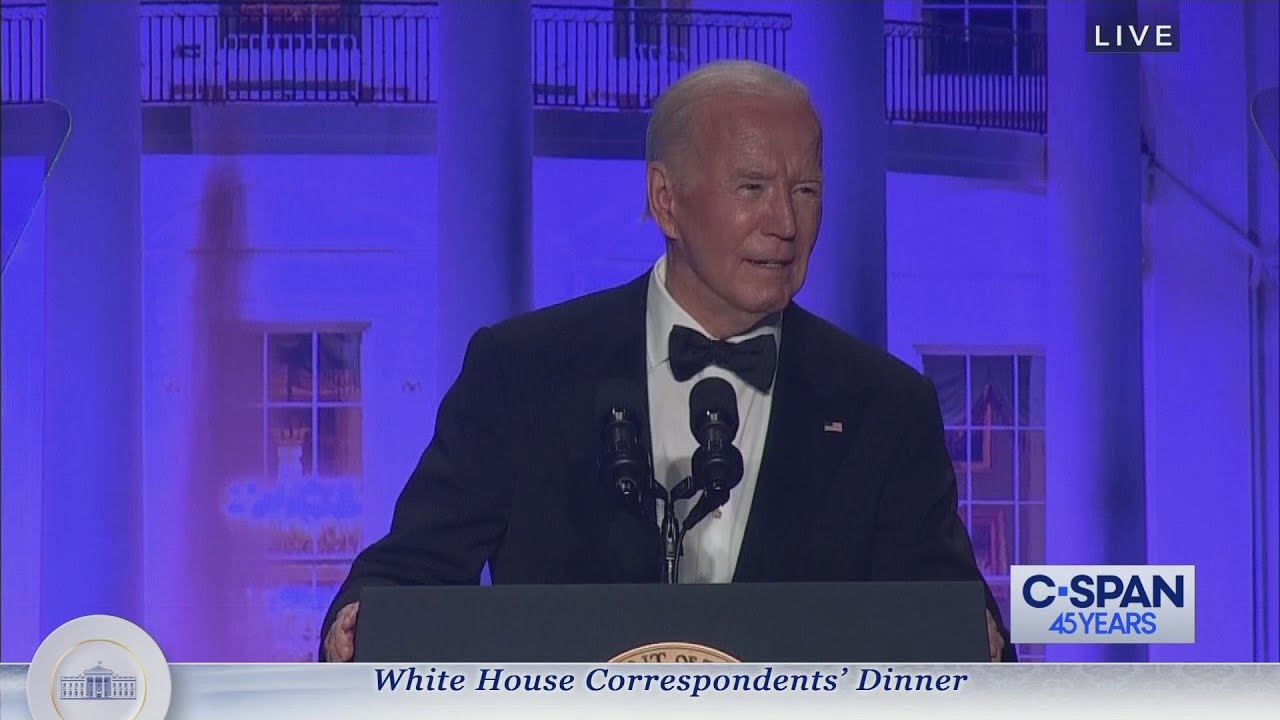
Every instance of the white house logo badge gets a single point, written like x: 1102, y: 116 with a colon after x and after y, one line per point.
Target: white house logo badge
x: 98, y: 667
x: 98, y: 683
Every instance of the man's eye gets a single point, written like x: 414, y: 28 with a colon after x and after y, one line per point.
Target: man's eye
x: 751, y: 187
x: 808, y: 190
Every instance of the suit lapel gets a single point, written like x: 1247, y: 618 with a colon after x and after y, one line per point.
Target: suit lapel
x: 629, y: 358
x: 809, y: 432
x: 617, y: 351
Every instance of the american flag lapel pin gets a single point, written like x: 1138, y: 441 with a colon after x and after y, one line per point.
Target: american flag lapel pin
x: 833, y: 426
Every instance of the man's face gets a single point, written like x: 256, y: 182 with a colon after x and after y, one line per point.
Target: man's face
x: 744, y: 215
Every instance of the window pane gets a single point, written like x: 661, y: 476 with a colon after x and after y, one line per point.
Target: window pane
x: 992, y: 49
x: 339, y: 359
x: 622, y: 18
x: 244, y: 18
x: 947, y: 374
x: 289, y: 367
x: 1032, y: 51
x: 991, y: 385
x: 991, y: 529
x: 339, y: 441
x: 1031, y: 534
x: 991, y: 464
x: 289, y: 432
x: 1031, y: 20
x: 649, y: 19
x: 937, y: 16
x: 1031, y: 465
x: 1031, y: 390
x: 679, y: 21
x: 943, y: 46
x: 955, y: 440
x: 339, y: 534
x: 991, y: 18
x: 290, y: 18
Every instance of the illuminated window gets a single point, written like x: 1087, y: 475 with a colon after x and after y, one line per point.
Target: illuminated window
x: 304, y: 498
x: 993, y: 416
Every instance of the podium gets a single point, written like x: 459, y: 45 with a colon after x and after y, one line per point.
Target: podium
x: 747, y: 622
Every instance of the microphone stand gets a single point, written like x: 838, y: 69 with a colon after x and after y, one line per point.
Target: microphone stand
x: 673, y: 531
x: 672, y: 544
x: 672, y: 536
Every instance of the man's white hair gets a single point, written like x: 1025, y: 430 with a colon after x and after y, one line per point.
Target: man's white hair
x: 673, y: 123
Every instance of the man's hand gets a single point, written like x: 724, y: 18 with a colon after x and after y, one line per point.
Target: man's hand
x: 340, y: 643
x: 995, y: 641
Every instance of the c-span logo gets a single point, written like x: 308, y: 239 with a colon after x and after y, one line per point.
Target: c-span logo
x: 98, y: 667
x: 1103, y: 604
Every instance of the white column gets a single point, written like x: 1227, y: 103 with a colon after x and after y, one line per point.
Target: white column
x: 485, y: 141
x: 837, y: 49
x: 1095, y: 506
x: 92, y: 439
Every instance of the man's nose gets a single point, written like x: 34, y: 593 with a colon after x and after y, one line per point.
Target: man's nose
x: 782, y: 217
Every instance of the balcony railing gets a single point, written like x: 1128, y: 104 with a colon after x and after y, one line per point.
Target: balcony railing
x: 584, y: 58
x: 974, y: 76
x: 22, y: 54
x: 623, y: 58
x: 293, y: 52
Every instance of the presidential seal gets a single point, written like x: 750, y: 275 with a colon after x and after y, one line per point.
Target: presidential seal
x: 674, y: 652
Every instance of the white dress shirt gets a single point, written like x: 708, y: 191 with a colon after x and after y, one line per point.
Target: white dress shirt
x: 711, y: 548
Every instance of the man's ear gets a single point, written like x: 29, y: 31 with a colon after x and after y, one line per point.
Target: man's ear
x: 661, y: 191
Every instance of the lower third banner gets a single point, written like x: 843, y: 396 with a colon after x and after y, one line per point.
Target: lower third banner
x: 627, y: 690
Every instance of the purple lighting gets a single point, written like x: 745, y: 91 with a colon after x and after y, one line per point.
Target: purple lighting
x: 229, y: 319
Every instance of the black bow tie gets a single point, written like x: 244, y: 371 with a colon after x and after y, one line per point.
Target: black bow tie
x: 752, y: 360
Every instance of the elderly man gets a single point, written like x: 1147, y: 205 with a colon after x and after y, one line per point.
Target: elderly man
x: 846, y: 476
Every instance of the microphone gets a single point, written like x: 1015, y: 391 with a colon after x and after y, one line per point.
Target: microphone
x: 634, y: 544
x: 623, y: 462
x: 713, y: 418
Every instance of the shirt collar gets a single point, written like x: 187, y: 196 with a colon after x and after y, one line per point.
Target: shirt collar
x: 664, y: 313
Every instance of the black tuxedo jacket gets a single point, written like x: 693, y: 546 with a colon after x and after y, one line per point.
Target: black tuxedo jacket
x: 510, y: 477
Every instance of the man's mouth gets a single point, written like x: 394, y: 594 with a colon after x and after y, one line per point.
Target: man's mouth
x: 770, y: 263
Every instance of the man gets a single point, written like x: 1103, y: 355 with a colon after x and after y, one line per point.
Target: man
x: 846, y: 474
